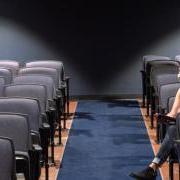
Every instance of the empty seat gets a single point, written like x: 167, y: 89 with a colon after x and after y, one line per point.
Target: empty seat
x: 146, y: 59
x: 38, y: 92
x: 7, y: 74
x: 29, y: 91
x: 50, y: 72
x: 38, y: 79
x: 38, y: 127
x: 53, y: 73
x: 10, y: 64
x: 59, y: 66
x: 155, y: 68
x: 16, y: 127
x: 7, y: 159
x: 51, y: 93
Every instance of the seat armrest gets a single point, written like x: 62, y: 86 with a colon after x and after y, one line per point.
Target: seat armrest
x: 61, y: 87
x: 35, y: 137
x: 37, y: 148
x: 67, y: 78
x: 59, y: 96
x: 45, y: 126
x: 45, y: 130
x: 44, y: 118
x: 51, y: 109
x: 51, y: 103
x: 166, y: 119
x: 177, y: 141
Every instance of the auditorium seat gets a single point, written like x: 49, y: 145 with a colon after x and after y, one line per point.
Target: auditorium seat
x: 51, y: 93
x: 38, y: 92
x: 10, y: 64
x: 59, y: 66
x: 7, y: 74
x: 38, y: 128
x: 154, y: 68
x: 7, y: 159
x: 16, y: 127
x: 53, y: 73
x: 146, y: 59
x: 165, y: 93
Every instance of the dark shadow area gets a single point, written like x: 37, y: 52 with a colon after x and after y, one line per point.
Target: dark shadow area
x: 122, y: 117
x: 79, y: 132
x: 120, y: 103
x: 119, y: 162
x: 119, y: 139
x: 83, y: 115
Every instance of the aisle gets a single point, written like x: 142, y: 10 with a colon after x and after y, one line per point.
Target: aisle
x: 107, y: 141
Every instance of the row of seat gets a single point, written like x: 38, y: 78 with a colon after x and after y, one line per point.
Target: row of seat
x: 160, y: 83
x: 33, y: 100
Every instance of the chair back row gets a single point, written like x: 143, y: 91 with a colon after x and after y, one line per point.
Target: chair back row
x: 25, y: 95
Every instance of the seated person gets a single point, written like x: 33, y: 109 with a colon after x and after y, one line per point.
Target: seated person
x: 166, y: 147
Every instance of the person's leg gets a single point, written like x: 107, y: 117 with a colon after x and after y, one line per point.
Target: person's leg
x: 166, y: 147
x: 164, y: 151
x: 176, y: 106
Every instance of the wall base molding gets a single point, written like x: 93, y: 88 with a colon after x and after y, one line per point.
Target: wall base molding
x: 100, y: 97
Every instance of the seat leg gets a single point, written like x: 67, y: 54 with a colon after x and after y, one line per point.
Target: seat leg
x: 59, y: 131
x: 52, y: 147
x: 23, y: 165
x: 148, y: 101
x: 45, y: 142
x: 64, y: 108
x: 157, y: 132
x: 171, y: 171
x: 152, y: 112
x: 51, y: 118
x: 143, y: 88
x: 67, y: 95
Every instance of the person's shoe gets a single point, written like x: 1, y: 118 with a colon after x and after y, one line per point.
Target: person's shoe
x: 146, y: 174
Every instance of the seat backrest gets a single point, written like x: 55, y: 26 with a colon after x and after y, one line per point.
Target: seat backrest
x: 148, y: 58
x: 2, y: 81
x: 7, y: 74
x: 10, y: 64
x: 162, y: 67
x: 167, y: 91
x: 16, y: 127
x: 50, y: 72
x: 30, y: 107
x: 162, y: 79
x: 28, y: 91
x: 38, y: 79
x: 177, y: 58
x: 58, y: 65
x: 7, y: 159
x: 170, y: 103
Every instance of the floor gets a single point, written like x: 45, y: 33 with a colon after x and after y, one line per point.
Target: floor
x: 152, y: 136
x: 59, y: 150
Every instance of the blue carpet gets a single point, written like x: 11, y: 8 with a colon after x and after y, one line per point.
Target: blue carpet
x: 107, y: 141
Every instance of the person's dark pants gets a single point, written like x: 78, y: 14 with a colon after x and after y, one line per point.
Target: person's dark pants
x: 167, y: 146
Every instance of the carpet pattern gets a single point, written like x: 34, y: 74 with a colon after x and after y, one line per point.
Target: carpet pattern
x: 107, y: 141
